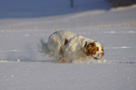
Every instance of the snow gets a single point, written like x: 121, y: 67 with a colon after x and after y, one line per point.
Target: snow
x: 23, y: 67
x: 34, y: 76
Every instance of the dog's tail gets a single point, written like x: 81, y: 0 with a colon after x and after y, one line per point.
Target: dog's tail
x: 43, y: 47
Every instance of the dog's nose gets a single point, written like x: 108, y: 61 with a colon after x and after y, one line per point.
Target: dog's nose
x: 102, y: 53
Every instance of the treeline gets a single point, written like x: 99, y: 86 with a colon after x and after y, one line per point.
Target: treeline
x: 118, y: 3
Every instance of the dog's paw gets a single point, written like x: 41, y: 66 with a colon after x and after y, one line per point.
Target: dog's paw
x: 63, y: 60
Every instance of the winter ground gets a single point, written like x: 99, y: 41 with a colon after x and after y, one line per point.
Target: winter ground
x: 23, y: 67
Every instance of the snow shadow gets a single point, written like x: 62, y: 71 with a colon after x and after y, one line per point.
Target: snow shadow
x: 43, y: 8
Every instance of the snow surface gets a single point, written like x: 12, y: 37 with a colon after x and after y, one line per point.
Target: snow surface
x: 43, y: 76
x: 23, y: 67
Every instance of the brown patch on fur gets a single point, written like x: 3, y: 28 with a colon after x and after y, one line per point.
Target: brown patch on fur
x: 91, y: 49
x: 97, y: 49
x: 66, y: 41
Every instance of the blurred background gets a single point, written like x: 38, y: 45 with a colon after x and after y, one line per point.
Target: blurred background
x: 42, y: 8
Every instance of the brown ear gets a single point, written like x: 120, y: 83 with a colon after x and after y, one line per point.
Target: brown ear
x: 92, y: 49
x: 66, y: 41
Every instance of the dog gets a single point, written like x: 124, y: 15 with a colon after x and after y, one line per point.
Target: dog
x: 67, y: 47
x: 80, y: 49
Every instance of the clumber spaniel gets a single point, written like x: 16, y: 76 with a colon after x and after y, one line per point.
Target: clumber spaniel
x: 68, y: 47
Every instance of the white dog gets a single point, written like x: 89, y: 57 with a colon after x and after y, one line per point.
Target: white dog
x: 68, y: 47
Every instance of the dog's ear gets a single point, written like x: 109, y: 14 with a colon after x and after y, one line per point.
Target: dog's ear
x: 66, y: 41
x: 91, y: 49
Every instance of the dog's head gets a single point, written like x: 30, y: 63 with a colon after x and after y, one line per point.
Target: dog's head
x: 94, y: 49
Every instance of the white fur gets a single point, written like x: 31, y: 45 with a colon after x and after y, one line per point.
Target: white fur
x: 55, y: 45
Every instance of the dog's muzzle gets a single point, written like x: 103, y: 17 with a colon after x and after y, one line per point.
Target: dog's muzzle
x: 99, y: 56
